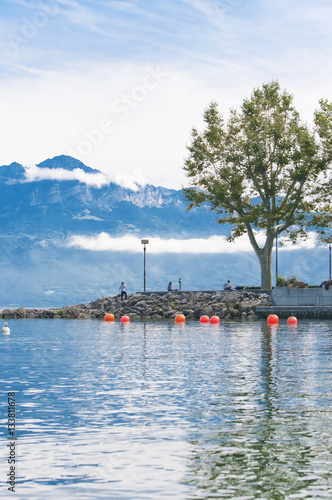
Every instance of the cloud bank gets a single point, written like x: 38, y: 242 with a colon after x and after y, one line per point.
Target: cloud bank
x: 128, y: 181
x: 80, y: 62
x: 34, y: 173
x: 213, y: 244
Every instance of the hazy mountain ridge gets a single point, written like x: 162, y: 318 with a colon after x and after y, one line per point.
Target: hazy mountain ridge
x: 40, y: 205
x: 37, y: 218
x: 67, y: 163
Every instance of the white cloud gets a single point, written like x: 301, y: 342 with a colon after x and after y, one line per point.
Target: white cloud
x: 34, y: 173
x: 86, y: 216
x: 215, y: 11
x: 128, y: 181
x: 310, y: 243
x: 149, y: 138
x: 213, y: 244
x: 58, y: 89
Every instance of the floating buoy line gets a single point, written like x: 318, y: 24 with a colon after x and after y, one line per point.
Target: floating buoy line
x: 179, y: 318
x: 273, y: 319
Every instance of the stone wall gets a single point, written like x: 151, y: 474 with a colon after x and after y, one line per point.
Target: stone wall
x: 230, y: 304
x: 292, y: 296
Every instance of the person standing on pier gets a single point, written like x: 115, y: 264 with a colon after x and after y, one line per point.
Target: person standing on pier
x: 122, y: 290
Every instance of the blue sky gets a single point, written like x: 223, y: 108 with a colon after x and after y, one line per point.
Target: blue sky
x: 119, y: 84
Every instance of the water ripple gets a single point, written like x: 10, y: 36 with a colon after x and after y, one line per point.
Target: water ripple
x: 157, y: 410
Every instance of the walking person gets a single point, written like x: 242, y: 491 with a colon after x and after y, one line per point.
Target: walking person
x: 122, y: 290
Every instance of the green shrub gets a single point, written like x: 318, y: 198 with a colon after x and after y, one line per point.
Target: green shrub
x: 291, y: 281
x: 281, y: 281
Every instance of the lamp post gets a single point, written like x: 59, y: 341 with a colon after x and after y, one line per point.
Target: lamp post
x: 276, y: 234
x: 329, y: 241
x: 144, y: 242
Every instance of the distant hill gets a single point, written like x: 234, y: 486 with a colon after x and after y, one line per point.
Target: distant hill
x: 67, y: 163
x: 37, y: 268
x: 72, y: 206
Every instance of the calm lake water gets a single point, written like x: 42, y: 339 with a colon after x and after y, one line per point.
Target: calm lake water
x: 161, y: 411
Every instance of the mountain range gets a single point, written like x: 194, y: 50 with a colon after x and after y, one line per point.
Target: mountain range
x: 39, y: 206
x: 40, y: 209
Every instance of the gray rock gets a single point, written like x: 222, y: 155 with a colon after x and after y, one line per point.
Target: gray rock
x: 207, y: 310
x: 250, y: 304
x: 139, y: 305
x: 20, y: 312
x: 8, y: 314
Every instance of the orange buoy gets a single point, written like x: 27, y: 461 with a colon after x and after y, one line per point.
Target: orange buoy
x: 272, y: 319
x: 214, y: 320
x: 125, y: 319
x: 292, y: 320
x: 180, y: 318
x: 204, y: 319
x: 109, y: 317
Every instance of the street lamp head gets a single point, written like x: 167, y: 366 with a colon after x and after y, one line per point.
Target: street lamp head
x: 329, y: 240
x: 144, y: 242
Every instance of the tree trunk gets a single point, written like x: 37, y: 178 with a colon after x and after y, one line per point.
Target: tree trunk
x: 265, y: 260
x: 264, y: 256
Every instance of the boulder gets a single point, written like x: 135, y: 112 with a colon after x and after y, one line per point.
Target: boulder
x: 230, y: 304
x: 8, y: 314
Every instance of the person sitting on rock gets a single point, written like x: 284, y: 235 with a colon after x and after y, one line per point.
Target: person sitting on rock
x: 170, y: 287
x: 228, y: 286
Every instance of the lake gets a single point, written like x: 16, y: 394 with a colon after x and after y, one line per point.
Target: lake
x: 163, y: 411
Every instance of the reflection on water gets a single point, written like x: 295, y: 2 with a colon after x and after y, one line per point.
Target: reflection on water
x: 158, y: 410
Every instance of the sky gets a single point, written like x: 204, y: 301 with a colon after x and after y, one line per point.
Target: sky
x: 119, y: 84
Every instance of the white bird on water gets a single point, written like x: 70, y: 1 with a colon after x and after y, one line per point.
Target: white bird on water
x: 5, y: 329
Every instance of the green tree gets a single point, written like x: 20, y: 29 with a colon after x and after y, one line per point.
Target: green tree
x: 263, y: 170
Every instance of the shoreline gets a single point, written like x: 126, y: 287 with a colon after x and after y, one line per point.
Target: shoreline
x: 157, y: 305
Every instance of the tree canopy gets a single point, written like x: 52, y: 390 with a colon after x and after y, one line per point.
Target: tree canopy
x: 264, y: 169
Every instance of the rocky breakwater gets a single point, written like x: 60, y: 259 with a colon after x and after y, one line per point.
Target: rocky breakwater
x: 226, y: 305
